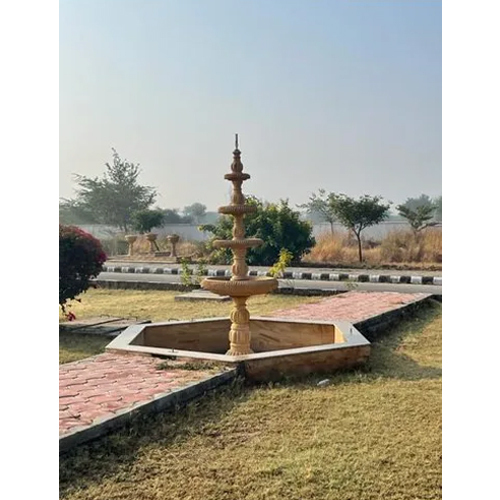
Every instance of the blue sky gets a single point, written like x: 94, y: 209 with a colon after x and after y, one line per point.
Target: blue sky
x: 334, y: 94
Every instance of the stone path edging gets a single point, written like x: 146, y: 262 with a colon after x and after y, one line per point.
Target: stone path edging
x: 160, y: 402
x: 313, y: 276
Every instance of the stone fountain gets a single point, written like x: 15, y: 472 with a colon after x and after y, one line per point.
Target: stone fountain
x: 261, y: 348
x: 240, y: 286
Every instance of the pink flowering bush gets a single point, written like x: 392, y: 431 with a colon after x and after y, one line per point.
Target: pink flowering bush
x: 80, y: 259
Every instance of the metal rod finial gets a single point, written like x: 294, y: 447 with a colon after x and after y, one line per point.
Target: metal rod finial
x: 236, y: 141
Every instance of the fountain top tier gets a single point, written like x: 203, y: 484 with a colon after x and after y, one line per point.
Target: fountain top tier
x: 239, y: 245
x: 238, y: 207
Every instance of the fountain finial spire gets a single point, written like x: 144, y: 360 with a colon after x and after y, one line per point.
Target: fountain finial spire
x: 237, y: 166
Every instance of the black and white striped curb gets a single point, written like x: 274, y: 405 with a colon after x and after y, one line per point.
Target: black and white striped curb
x: 363, y: 278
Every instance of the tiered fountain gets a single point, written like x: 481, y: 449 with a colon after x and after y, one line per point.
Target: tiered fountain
x: 276, y: 346
x: 241, y: 286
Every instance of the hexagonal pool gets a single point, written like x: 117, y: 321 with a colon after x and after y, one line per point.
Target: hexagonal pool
x: 282, y: 347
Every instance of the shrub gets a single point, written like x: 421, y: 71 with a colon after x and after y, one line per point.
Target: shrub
x: 80, y: 258
x: 276, y: 224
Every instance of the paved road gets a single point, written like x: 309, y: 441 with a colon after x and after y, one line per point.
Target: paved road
x: 303, y: 284
x: 348, y: 270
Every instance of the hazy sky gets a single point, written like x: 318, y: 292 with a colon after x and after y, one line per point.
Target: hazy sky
x: 339, y: 94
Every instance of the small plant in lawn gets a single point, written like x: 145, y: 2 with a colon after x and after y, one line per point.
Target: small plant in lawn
x: 186, y: 273
x: 279, y: 267
x: 201, y: 270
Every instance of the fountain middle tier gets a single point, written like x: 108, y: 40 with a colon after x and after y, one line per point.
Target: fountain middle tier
x: 244, y: 287
x: 238, y: 243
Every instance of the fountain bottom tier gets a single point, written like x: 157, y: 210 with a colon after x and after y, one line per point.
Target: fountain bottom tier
x: 280, y: 347
x: 239, y: 290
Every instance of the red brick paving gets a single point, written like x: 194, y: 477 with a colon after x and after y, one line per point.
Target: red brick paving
x: 350, y: 306
x: 99, y: 386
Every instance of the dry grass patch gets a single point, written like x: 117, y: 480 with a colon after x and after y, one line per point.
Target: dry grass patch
x: 161, y: 306
x: 405, y: 246
x: 183, y: 248
x: 398, y: 247
x: 371, y: 434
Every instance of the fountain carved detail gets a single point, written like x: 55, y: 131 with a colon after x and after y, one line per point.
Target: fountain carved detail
x: 240, y: 286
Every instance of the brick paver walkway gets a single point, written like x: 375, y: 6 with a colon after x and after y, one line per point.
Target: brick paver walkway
x: 99, y: 386
x: 350, y: 306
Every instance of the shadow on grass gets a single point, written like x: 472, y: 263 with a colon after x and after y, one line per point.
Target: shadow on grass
x: 387, y: 361
x: 75, y: 346
x: 95, y: 461
x: 400, y: 366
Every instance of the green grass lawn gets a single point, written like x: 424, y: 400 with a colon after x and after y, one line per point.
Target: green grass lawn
x: 370, y: 434
x: 154, y: 305
x: 161, y: 306
x: 75, y: 346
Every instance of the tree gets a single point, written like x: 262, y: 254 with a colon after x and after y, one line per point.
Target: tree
x: 425, y: 205
x: 74, y: 212
x: 145, y: 220
x: 80, y: 258
x: 196, y: 211
x: 438, y: 203
x: 357, y: 215
x: 418, y: 218
x: 276, y: 224
x: 171, y: 216
x: 113, y: 198
x: 422, y: 201
x: 320, y: 204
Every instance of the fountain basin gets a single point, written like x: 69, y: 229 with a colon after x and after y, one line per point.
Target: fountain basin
x: 239, y: 288
x: 238, y: 243
x: 282, y: 347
